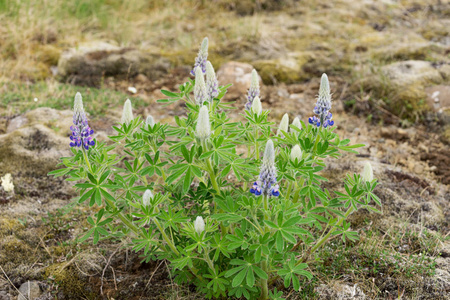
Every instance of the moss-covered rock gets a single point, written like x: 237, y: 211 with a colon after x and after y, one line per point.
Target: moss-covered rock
x: 90, y: 62
x: 402, y: 86
x: 287, y: 69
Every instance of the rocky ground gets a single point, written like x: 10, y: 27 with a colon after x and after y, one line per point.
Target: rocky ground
x: 389, y: 69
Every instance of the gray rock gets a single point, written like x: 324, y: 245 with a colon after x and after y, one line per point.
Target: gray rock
x: 4, y: 295
x: 30, y: 290
x: 89, y: 62
x: 412, y: 72
x: 50, y: 117
x: 33, y: 149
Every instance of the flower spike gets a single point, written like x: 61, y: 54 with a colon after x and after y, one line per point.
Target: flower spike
x: 267, y: 183
x: 202, y: 56
x: 212, y: 85
x: 81, y: 132
x: 323, y: 105
x: 253, y: 91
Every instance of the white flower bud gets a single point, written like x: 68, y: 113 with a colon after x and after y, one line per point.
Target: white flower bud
x: 367, y: 174
x: 296, y: 153
x: 200, y: 93
x: 256, y: 106
x: 297, y: 124
x: 199, y: 225
x: 269, y: 154
x: 146, y: 197
x: 127, y: 113
x: 7, y: 183
x: 284, y: 124
x: 324, y: 91
x: 203, y: 128
x: 78, y: 104
x: 204, y: 47
x: 150, y: 121
x: 254, y: 83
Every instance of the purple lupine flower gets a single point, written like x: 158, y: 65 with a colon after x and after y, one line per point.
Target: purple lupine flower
x: 267, y: 183
x: 81, y: 132
x: 253, y: 91
x: 202, y: 56
x: 323, y: 105
x: 212, y: 85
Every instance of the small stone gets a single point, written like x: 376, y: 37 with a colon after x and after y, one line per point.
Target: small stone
x: 30, y: 290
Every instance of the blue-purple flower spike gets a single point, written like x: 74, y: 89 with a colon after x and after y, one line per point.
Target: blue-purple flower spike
x: 267, y: 183
x: 202, y: 56
x: 81, y: 132
x: 323, y: 105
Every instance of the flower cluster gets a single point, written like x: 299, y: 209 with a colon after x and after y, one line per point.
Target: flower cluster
x: 253, y: 91
x: 267, y: 183
x: 202, y: 56
x: 323, y: 105
x: 81, y: 132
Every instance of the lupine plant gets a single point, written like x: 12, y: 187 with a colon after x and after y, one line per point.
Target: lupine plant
x: 233, y: 206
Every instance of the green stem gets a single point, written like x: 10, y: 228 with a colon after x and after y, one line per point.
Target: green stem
x: 256, y: 144
x: 166, y: 238
x: 326, y: 237
x: 212, y: 175
x: 264, y: 284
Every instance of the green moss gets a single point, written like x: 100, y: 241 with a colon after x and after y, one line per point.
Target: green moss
x: 9, y: 226
x: 68, y: 281
x: 49, y: 54
x: 273, y: 71
x: 14, y: 252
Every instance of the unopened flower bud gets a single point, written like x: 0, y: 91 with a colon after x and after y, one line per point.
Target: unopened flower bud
x: 296, y: 153
x: 284, y: 124
x: 150, y: 121
x: 256, y: 106
x: 367, y: 174
x: 148, y: 195
x: 296, y: 123
x: 324, y: 90
x: 212, y: 85
x: 127, y: 113
x: 78, y: 104
x: 200, y: 93
x: 7, y: 183
x: 203, y: 128
x: 199, y: 225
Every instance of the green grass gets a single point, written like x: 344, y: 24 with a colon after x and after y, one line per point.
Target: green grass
x: 18, y: 98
